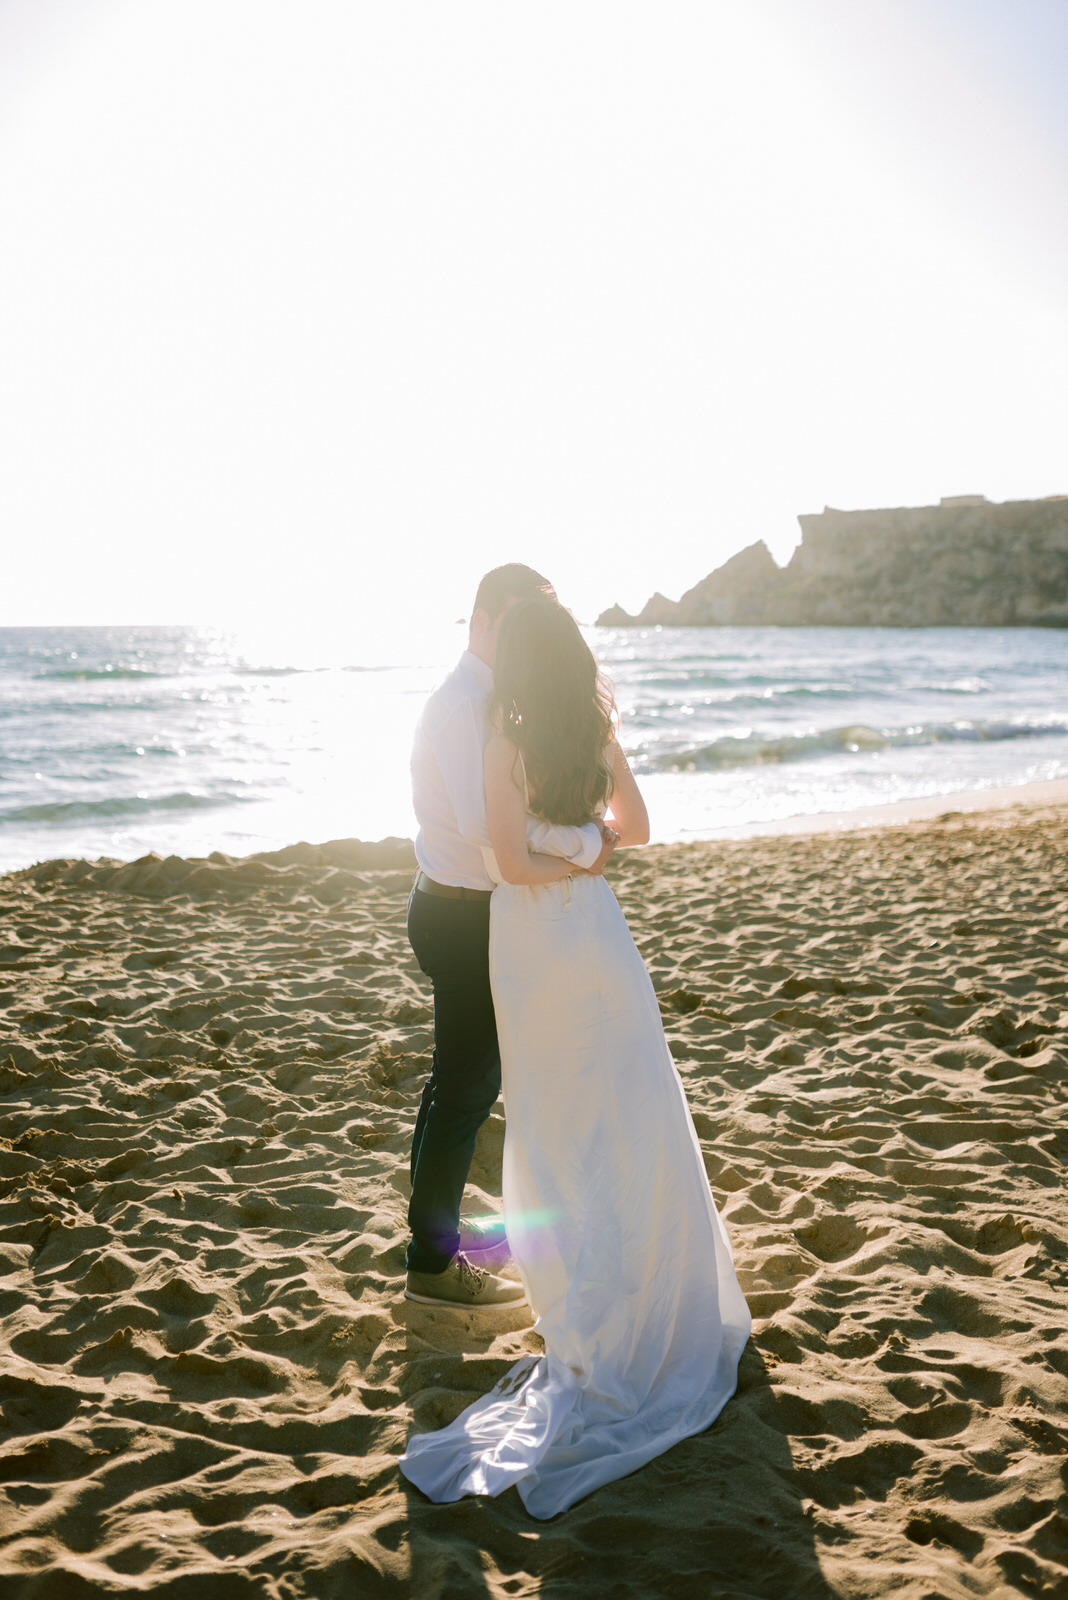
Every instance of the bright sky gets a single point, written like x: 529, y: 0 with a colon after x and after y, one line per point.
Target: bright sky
x: 312, y: 311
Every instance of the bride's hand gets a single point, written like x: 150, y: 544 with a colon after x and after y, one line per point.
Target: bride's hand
x: 609, y: 840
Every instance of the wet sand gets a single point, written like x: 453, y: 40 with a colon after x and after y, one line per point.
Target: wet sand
x: 208, y: 1078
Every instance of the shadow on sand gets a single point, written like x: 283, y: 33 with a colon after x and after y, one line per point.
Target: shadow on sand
x: 718, y: 1517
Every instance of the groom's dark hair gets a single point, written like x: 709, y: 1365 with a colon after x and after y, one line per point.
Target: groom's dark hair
x: 512, y: 582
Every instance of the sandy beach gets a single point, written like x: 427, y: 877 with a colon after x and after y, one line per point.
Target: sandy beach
x: 209, y: 1072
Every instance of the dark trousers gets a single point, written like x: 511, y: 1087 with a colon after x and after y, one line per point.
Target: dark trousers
x: 451, y: 943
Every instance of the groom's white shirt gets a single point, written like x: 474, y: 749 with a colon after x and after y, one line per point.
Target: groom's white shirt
x: 450, y: 803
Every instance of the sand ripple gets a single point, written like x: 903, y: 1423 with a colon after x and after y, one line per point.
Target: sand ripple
x: 208, y: 1077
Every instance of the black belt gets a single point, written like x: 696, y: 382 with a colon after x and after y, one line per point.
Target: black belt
x: 448, y: 891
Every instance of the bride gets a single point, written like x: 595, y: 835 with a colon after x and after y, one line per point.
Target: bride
x: 609, y: 1215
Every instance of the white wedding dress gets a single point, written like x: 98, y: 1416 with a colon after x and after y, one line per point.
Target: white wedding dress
x: 609, y: 1215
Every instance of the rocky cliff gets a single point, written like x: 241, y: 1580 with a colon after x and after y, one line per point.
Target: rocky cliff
x: 965, y: 562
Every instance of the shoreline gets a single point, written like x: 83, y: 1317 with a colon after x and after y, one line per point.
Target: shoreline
x: 970, y: 803
x: 394, y: 851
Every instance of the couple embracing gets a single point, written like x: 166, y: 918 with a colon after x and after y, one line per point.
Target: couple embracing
x: 522, y: 793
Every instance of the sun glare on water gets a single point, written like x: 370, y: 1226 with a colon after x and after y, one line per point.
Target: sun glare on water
x: 337, y: 707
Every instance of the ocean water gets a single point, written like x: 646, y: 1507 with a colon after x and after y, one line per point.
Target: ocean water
x: 116, y: 741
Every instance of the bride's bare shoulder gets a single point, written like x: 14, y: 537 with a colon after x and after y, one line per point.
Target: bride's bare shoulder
x: 498, y: 745
x: 502, y: 757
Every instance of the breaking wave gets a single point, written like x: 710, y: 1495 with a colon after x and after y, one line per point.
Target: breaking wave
x: 736, y: 750
x: 119, y: 806
x: 95, y: 674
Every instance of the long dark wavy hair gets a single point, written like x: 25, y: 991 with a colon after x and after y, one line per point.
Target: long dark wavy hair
x: 550, y: 699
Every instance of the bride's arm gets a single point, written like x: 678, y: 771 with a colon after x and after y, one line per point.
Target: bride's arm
x: 506, y: 819
x: 626, y: 808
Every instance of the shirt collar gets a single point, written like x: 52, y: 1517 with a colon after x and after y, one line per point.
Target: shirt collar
x: 476, y: 665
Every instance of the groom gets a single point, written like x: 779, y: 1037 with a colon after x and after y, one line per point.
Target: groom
x: 448, y: 927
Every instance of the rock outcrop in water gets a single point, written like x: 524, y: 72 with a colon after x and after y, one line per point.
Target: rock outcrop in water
x: 966, y: 562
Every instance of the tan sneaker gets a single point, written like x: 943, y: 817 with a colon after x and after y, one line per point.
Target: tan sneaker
x: 484, y: 1242
x: 463, y: 1286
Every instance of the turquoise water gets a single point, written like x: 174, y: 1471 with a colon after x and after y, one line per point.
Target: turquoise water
x: 115, y: 741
